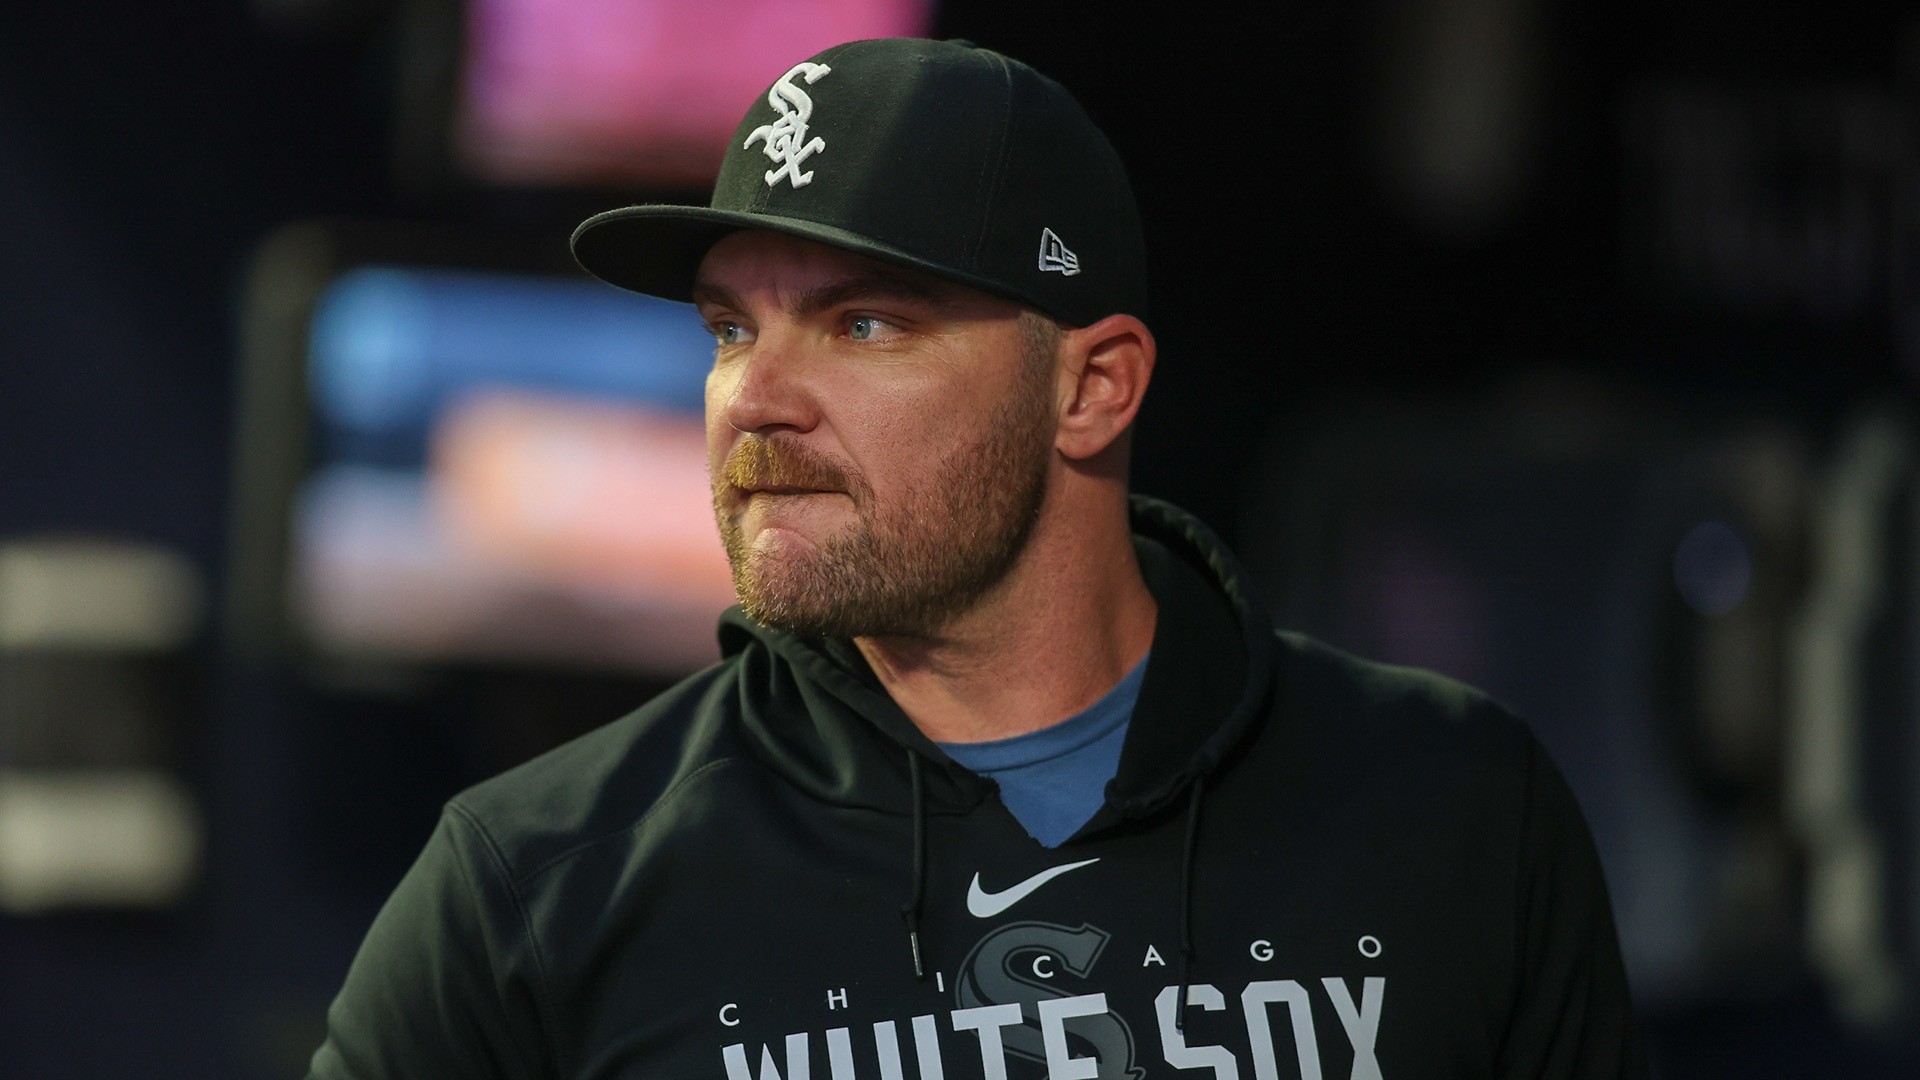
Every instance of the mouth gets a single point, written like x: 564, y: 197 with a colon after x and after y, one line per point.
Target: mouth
x: 749, y: 492
x: 787, y: 474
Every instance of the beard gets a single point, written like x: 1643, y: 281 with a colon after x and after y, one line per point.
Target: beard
x: 905, y: 569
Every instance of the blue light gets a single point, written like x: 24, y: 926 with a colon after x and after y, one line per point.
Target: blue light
x: 1713, y: 568
x: 389, y: 345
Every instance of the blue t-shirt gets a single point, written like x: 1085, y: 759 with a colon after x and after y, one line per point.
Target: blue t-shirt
x: 1054, y: 779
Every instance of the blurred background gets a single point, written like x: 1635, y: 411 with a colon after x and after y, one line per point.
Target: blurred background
x: 1569, y: 349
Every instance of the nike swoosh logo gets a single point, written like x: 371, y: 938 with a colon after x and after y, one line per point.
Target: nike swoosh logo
x: 985, y: 905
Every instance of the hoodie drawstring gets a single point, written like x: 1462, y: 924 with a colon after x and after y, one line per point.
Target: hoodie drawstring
x: 910, y: 911
x: 1186, y: 903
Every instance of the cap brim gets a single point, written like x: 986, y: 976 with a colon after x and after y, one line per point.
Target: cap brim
x: 657, y: 249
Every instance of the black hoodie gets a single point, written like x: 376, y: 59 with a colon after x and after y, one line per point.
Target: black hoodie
x: 768, y: 873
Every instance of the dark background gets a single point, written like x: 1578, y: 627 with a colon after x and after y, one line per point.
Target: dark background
x: 1706, y: 208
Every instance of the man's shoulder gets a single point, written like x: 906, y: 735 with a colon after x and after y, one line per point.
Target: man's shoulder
x: 1340, y: 695
x: 1429, y: 755
x: 607, y: 782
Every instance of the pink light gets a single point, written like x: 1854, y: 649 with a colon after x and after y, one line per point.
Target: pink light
x: 644, y: 91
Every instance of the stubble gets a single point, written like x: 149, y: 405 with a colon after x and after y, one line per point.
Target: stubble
x: 907, y: 568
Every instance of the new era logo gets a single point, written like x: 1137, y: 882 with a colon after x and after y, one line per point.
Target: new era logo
x: 1055, y: 255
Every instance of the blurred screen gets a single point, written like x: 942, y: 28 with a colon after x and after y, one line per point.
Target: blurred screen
x: 507, y: 467
x: 636, y: 91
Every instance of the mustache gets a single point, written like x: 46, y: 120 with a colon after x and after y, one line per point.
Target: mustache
x: 760, y: 462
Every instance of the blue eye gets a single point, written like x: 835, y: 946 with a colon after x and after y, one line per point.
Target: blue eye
x: 863, y: 328
x: 728, y: 333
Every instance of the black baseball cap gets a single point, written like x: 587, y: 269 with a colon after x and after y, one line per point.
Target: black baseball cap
x: 935, y: 155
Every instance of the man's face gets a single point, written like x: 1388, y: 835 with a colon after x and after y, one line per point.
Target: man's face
x: 879, y: 440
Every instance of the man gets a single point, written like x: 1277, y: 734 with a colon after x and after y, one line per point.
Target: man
x: 1004, y: 774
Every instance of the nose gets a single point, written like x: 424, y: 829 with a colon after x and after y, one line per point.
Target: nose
x: 767, y: 389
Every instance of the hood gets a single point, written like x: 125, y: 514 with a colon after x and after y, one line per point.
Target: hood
x: 814, y: 712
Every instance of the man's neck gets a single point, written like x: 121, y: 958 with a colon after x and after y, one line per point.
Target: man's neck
x: 1071, y: 619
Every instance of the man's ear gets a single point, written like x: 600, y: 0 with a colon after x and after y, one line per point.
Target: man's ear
x: 1104, y: 371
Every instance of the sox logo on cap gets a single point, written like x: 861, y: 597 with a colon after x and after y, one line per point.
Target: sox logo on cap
x: 786, y: 139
